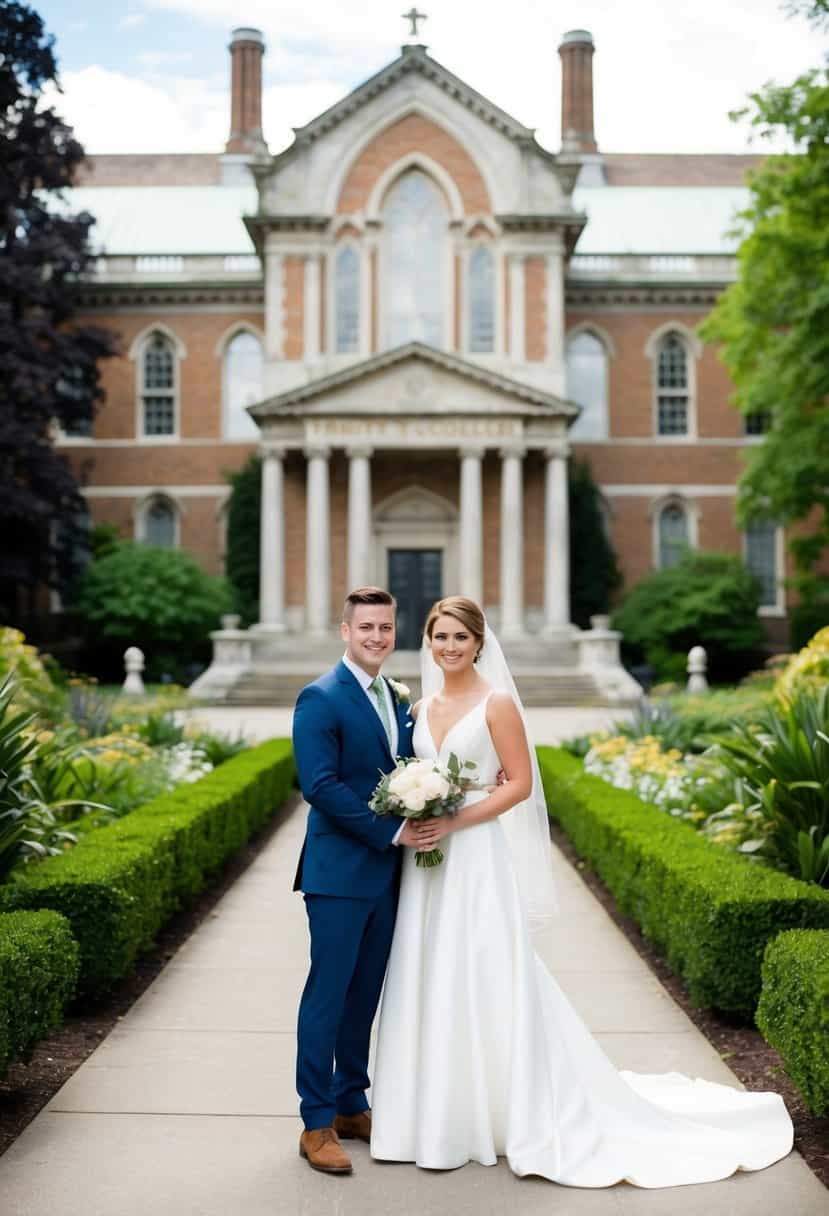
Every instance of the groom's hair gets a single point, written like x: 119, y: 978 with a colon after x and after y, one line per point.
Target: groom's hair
x: 366, y: 595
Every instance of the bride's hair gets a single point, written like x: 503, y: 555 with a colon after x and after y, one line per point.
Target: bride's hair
x: 463, y: 610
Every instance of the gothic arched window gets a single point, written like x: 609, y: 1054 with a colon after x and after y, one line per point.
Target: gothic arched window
x: 158, y: 386
x: 415, y: 220
x: 244, y: 366
x: 672, y: 386
x: 673, y: 535
x: 587, y: 384
x: 158, y: 523
x: 481, y: 300
x: 347, y: 300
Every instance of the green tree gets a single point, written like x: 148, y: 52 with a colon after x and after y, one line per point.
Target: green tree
x: 158, y: 599
x: 773, y: 322
x: 594, y: 570
x: 242, y: 561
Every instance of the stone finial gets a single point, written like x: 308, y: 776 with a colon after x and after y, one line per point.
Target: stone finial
x: 134, y: 663
x: 576, y: 51
x: 697, y: 667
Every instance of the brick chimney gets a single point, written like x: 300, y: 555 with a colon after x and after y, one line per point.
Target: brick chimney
x: 247, y: 46
x: 576, y: 53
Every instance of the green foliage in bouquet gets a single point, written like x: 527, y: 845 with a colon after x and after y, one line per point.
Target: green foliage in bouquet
x: 793, y: 1012
x: 158, y: 599
x: 707, y: 599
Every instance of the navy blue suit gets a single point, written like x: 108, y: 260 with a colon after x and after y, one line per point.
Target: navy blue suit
x: 349, y: 871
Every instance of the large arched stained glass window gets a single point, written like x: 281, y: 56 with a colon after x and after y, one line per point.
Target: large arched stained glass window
x: 243, y: 379
x: 587, y: 385
x: 415, y: 221
x: 347, y: 300
x: 481, y: 300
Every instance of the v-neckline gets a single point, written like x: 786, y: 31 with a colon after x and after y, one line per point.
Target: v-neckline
x: 457, y: 721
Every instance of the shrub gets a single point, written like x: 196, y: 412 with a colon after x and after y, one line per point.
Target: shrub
x: 708, y: 911
x: 120, y: 884
x: 793, y: 1013
x: 811, y: 613
x: 38, y: 971
x: 158, y: 599
x: 594, y: 569
x: 243, y: 523
x: 808, y: 669
x: 707, y: 599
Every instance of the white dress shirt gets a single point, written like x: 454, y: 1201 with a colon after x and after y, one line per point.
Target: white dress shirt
x: 365, y: 681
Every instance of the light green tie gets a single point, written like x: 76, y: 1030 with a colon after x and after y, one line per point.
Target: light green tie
x: 382, y: 707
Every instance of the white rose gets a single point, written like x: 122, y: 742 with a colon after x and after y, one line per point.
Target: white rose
x: 421, y: 769
x: 434, y: 786
x: 404, y: 693
x: 414, y: 800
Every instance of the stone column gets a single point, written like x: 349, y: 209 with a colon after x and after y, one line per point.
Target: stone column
x: 317, y: 542
x: 556, y: 542
x: 471, y: 564
x: 512, y: 542
x: 517, y: 323
x: 359, y: 517
x: 272, y: 541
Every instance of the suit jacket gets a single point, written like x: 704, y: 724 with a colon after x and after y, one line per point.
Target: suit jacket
x: 341, y: 751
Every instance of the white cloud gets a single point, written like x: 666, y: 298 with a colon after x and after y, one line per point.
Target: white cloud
x: 665, y: 75
x: 153, y: 60
x: 131, y: 21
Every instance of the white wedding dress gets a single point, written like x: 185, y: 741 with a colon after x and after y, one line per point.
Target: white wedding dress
x: 480, y: 1054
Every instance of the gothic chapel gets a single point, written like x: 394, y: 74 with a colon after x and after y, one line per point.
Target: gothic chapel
x: 416, y: 313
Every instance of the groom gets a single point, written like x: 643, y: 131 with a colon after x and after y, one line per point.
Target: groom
x: 349, y: 726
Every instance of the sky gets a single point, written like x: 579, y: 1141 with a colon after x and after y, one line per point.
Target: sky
x: 154, y: 75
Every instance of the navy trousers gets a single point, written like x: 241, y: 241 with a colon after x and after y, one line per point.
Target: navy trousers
x: 350, y: 943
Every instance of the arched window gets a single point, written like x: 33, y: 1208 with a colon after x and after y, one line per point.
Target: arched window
x: 415, y: 219
x: 158, y: 386
x: 761, y: 559
x: 673, y: 537
x: 243, y: 375
x: 158, y: 523
x: 481, y: 300
x: 587, y: 384
x: 672, y: 389
x: 347, y: 301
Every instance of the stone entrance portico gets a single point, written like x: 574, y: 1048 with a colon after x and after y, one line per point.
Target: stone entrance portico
x: 409, y: 408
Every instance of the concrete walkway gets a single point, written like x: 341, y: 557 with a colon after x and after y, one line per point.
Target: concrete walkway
x: 188, y: 1107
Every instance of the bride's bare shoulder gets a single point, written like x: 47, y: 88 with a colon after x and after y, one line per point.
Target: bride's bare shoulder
x: 415, y: 710
x: 501, y: 708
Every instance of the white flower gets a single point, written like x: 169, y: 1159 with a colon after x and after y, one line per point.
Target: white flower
x: 401, y: 782
x: 414, y: 800
x: 402, y: 691
x: 434, y: 786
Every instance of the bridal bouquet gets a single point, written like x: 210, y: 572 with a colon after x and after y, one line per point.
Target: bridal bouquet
x: 420, y: 789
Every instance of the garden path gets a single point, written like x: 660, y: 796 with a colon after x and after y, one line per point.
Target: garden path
x: 188, y: 1107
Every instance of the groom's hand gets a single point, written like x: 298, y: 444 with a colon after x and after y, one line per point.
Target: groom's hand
x: 408, y: 836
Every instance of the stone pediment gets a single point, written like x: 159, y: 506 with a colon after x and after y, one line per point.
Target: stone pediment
x: 414, y: 379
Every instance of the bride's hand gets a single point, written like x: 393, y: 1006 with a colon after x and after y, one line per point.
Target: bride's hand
x: 430, y: 832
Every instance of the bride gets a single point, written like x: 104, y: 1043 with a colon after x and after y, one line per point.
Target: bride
x: 479, y: 1053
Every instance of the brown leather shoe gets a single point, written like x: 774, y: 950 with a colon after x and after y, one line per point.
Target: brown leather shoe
x: 354, y: 1127
x: 322, y: 1150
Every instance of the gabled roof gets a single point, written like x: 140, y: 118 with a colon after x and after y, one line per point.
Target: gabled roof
x: 534, y: 400
x: 414, y: 58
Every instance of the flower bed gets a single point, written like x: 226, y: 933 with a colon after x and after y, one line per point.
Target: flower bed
x: 793, y: 1013
x: 38, y: 972
x: 708, y: 910
x: 119, y: 884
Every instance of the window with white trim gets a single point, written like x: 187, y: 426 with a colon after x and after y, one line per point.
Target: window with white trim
x: 243, y: 374
x: 347, y: 301
x: 761, y: 558
x: 158, y: 524
x: 673, y: 534
x: 416, y: 226
x: 587, y: 384
x: 158, y: 386
x: 672, y: 386
x: 481, y: 281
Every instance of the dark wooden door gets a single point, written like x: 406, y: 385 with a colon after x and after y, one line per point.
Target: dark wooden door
x: 415, y: 581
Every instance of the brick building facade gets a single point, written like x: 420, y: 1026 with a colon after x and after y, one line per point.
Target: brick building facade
x: 399, y: 311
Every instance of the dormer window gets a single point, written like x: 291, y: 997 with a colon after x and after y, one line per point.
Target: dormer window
x: 416, y: 226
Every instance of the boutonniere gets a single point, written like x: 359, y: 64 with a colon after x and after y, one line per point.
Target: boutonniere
x: 401, y: 691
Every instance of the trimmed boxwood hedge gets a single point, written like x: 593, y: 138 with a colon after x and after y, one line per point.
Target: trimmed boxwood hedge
x: 709, y: 911
x: 38, y: 972
x: 119, y: 884
x: 793, y: 1013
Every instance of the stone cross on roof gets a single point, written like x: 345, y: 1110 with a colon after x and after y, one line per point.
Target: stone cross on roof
x: 413, y: 16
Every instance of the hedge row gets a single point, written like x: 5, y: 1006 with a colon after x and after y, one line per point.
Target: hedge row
x: 38, y: 972
x: 119, y: 885
x: 709, y: 911
x: 793, y: 1013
